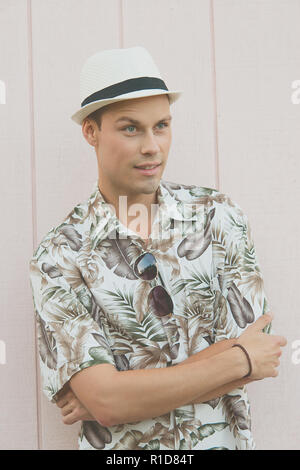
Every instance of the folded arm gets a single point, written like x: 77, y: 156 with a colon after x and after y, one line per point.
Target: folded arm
x: 73, y: 409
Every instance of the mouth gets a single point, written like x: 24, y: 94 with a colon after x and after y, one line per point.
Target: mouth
x: 148, y: 169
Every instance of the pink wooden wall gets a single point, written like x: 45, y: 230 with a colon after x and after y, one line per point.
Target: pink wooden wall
x: 235, y: 129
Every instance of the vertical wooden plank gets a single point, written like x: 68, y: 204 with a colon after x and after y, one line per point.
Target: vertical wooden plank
x: 257, y: 58
x: 18, y: 406
x: 177, y: 35
x: 66, y: 166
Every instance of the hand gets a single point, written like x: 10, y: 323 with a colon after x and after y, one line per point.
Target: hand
x: 263, y: 349
x: 72, y: 409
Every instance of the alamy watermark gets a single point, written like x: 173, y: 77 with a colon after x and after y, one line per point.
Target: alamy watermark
x: 2, y: 352
x: 136, y: 218
x: 295, y: 97
x: 296, y: 353
x: 2, y: 92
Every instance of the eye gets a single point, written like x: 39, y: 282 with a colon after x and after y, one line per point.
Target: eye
x: 165, y: 124
x: 128, y: 127
x: 132, y: 128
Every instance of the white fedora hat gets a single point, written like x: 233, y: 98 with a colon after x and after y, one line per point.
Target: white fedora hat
x: 119, y: 74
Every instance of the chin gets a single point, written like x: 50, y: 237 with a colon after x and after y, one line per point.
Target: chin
x: 149, y: 187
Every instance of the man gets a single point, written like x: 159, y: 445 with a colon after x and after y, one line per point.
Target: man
x: 138, y: 314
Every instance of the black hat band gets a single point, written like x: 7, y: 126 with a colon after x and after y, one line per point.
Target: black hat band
x: 127, y: 86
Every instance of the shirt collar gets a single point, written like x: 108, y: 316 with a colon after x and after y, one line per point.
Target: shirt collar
x: 174, y: 201
x: 178, y: 203
x: 177, y: 206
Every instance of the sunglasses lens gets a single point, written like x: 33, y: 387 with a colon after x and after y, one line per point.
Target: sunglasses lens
x: 160, y: 301
x: 145, y: 267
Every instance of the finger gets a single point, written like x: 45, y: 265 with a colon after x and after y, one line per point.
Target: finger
x: 263, y: 320
x: 67, y: 409
x: 63, y: 391
x: 70, y: 395
x: 71, y: 418
x: 65, y: 397
x: 282, y: 341
x: 62, y: 402
x: 269, y: 315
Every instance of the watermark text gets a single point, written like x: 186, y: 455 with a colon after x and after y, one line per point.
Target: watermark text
x: 2, y: 92
x: 296, y: 353
x: 2, y: 352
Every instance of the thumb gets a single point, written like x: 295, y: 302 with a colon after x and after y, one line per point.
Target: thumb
x: 262, y: 321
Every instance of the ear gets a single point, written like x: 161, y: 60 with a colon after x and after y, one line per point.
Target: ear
x: 89, y: 131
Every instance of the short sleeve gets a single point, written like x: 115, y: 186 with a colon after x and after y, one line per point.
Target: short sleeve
x: 242, y: 299
x: 68, y: 337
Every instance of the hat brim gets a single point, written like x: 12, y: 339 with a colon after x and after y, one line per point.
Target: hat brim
x: 82, y: 113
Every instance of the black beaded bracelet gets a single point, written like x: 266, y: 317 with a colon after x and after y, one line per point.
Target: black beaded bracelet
x: 248, y: 358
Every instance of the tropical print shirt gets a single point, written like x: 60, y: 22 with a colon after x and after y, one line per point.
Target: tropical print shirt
x: 91, y: 308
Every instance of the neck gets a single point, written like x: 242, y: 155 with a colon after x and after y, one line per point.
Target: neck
x: 136, y: 212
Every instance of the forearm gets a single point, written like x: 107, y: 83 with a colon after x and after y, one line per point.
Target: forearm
x: 137, y: 395
x: 210, y: 351
x: 82, y: 414
x: 220, y: 391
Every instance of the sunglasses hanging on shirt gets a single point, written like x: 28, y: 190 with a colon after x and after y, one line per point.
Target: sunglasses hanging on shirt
x: 145, y: 267
x: 160, y: 302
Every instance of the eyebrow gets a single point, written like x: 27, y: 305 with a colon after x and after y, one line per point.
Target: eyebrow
x: 135, y: 121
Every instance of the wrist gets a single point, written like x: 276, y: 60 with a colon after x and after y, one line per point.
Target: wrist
x: 238, y: 345
x: 241, y: 362
x: 233, y: 341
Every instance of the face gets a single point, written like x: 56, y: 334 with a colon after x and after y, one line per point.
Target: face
x: 133, y: 133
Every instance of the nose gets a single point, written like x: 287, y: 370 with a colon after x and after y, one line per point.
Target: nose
x: 149, y: 144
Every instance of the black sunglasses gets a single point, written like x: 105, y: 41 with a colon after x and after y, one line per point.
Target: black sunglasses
x: 160, y: 302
